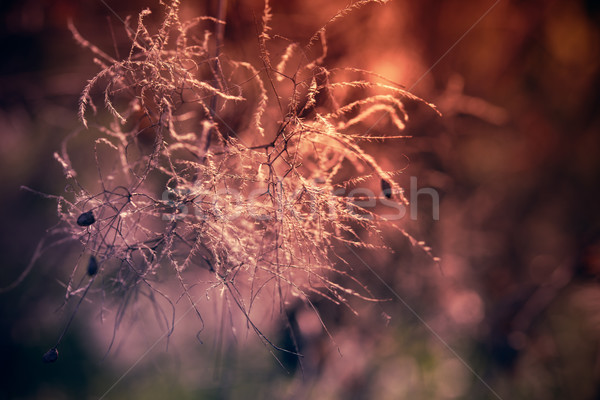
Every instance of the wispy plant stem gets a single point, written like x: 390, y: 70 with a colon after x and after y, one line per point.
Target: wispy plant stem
x: 219, y: 35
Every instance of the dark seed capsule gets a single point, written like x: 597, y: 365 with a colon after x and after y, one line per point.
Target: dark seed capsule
x: 92, y: 266
x: 50, y: 356
x: 86, y: 219
x: 386, y: 188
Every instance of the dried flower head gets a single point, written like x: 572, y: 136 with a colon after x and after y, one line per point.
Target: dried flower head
x: 205, y: 164
x: 86, y: 219
x: 92, y: 268
x: 50, y: 356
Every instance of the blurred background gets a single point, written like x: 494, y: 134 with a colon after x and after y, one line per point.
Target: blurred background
x: 515, y: 160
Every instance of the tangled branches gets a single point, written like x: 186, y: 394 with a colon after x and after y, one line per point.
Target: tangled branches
x: 214, y: 164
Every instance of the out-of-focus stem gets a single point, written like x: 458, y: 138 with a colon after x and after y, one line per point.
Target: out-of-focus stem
x: 219, y: 34
x: 220, y: 27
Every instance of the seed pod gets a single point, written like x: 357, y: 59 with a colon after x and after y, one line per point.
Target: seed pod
x: 50, y: 356
x: 86, y: 219
x: 92, y: 266
x: 386, y: 188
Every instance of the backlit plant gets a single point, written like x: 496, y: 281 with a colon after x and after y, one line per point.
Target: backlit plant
x: 241, y: 174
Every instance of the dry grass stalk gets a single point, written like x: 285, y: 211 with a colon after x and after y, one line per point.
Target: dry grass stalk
x: 187, y: 182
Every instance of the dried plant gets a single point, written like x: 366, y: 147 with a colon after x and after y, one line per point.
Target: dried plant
x: 241, y: 171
